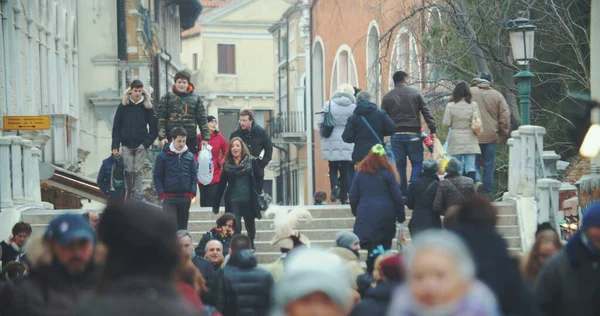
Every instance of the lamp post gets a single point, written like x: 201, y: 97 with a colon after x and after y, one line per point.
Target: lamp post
x: 521, y: 41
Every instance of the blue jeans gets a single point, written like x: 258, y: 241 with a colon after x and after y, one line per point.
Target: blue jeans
x: 468, y: 161
x: 403, y: 146
x: 487, y: 160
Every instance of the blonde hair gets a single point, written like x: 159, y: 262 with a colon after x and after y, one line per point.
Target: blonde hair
x: 346, y: 87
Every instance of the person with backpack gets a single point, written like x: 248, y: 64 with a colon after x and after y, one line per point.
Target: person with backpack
x: 111, y: 177
x: 334, y: 117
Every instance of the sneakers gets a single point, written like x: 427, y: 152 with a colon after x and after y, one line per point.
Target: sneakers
x: 335, y: 193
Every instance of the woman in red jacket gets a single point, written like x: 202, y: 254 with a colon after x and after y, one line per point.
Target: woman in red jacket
x: 219, y: 148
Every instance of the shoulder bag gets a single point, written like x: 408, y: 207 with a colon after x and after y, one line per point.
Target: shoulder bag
x: 388, y: 150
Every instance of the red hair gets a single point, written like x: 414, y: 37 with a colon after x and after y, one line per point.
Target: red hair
x: 375, y: 162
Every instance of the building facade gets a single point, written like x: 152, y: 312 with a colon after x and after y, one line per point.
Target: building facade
x: 230, y: 54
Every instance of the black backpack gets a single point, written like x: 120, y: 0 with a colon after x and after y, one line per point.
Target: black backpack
x: 117, y: 177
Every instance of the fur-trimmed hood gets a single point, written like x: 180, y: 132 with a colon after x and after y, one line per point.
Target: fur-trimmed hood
x: 127, y: 94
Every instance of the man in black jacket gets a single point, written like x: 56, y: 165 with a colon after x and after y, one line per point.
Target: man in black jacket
x: 241, y: 288
x: 257, y: 140
x: 134, y: 128
x: 405, y: 104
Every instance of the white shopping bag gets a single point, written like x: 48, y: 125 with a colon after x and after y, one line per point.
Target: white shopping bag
x: 205, y: 165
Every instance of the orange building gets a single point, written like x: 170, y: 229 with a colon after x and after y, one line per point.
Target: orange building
x: 363, y: 42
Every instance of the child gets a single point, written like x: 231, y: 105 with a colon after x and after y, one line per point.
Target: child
x: 320, y: 198
x: 111, y: 177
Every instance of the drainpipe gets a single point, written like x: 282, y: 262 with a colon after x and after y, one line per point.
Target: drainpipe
x: 287, y: 106
x: 306, y: 34
x: 595, y: 60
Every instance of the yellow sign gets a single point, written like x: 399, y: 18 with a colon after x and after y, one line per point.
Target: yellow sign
x: 25, y: 123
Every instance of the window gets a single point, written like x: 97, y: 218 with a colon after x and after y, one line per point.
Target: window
x: 195, y: 58
x: 226, y: 59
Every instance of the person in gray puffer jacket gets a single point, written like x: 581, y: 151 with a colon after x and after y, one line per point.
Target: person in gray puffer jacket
x: 333, y: 148
x: 454, y: 189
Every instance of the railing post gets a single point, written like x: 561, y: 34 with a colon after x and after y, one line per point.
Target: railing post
x: 548, y: 202
x: 16, y: 165
x: 28, y: 180
x: 531, y: 136
x: 5, y: 182
x: 514, y: 147
x: 35, y: 173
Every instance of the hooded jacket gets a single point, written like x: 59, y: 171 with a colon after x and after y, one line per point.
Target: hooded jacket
x: 242, y: 288
x: 357, y: 132
x: 405, y: 104
x: 341, y: 107
x: 495, y: 114
x: 257, y: 140
x: 421, y: 194
x: 105, y: 177
x: 181, y: 109
x: 453, y: 190
x: 175, y: 173
x: 134, y: 124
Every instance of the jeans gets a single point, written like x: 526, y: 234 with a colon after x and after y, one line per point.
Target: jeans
x: 468, y: 161
x: 487, y: 160
x: 192, y: 144
x: 343, y: 180
x: 180, y: 207
x: 134, y: 159
x: 207, y: 194
x: 403, y: 146
x: 244, y: 210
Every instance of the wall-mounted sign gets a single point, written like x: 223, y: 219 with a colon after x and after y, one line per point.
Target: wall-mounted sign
x: 25, y: 123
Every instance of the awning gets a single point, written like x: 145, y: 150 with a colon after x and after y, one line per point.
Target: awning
x: 76, y: 184
x: 189, y: 11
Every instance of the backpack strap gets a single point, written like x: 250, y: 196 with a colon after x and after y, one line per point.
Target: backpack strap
x: 371, y: 129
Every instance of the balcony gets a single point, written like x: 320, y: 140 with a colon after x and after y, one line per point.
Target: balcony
x: 288, y: 127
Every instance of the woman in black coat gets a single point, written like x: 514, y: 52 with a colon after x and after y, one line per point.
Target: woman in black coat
x: 421, y: 194
x: 240, y: 173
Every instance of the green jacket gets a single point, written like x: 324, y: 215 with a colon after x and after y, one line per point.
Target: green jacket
x: 186, y: 110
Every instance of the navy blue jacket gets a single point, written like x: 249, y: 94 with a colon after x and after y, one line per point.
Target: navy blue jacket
x: 175, y: 175
x: 105, y: 176
x: 377, y: 203
x: 358, y: 132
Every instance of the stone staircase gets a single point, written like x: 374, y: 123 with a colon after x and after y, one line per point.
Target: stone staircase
x: 327, y: 221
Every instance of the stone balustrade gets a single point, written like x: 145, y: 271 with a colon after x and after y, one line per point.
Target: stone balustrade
x: 20, y: 179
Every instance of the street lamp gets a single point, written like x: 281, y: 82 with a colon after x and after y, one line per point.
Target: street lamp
x: 521, y: 41
x: 591, y: 144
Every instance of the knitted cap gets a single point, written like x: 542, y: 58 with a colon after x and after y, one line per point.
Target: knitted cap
x: 346, y: 239
x: 591, y: 218
x: 430, y: 166
x: 210, y: 118
x: 392, y: 268
x: 454, y: 166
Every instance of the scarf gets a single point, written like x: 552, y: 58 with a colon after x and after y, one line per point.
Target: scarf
x: 223, y: 233
x: 138, y: 102
x: 179, y: 152
x: 245, y: 167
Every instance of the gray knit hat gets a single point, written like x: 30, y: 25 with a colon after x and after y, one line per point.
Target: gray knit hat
x: 310, y: 270
x: 454, y: 166
x: 346, y: 239
x: 430, y: 166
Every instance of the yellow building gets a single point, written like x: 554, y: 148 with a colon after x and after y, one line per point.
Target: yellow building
x: 230, y: 55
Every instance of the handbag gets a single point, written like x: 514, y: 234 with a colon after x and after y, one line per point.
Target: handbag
x: 326, y: 128
x: 476, y: 124
x: 388, y: 150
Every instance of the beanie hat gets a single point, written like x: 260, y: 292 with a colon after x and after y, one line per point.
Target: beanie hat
x: 346, y: 239
x: 430, y: 166
x: 310, y: 270
x: 454, y: 166
x: 347, y: 88
x: 392, y: 268
x: 210, y: 118
x: 591, y: 217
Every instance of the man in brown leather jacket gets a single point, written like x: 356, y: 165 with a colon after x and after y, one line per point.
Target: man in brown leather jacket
x: 405, y: 104
x: 495, y: 116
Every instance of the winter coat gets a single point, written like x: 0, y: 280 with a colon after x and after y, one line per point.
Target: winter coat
x: 8, y: 253
x: 341, y: 107
x: 230, y: 180
x: 257, y: 140
x: 219, y: 150
x: 404, y: 104
x: 105, y: 175
x: 357, y: 132
x: 569, y: 282
x: 376, y: 201
x: 181, y: 109
x: 495, y: 114
x: 134, y: 124
x: 458, y: 116
x: 47, y: 290
x: 213, y: 235
x: 351, y: 261
x: 242, y: 288
x: 205, y: 268
x: 376, y: 300
x: 138, y: 295
x: 451, y: 191
x: 421, y: 194
x: 175, y: 175
x: 478, y: 301
x: 498, y: 269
